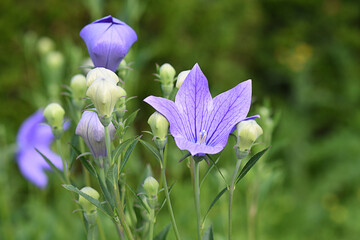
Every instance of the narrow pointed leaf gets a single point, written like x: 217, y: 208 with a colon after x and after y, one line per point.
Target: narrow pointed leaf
x: 250, y: 164
x: 188, y: 154
x: 208, y: 235
x: 55, y: 169
x: 118, y: 150
x: 214, y: 201
x: 138, y: 197
x: 152, y: 149
x: 83, y: 161
x: 127, y: 154
x: 87, y: 197
x: 131, y: 118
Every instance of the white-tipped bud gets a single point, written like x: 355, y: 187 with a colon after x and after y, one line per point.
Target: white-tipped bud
x: 54, y: 60
x: 167, y: 73
x: 101, y: 72
x: 159, y: 126
x: 247, y: 133
x: 151, y: 187
x: 78, y: 86
x: 104, y: 93
x: 45, y: 45
x: 54, y: 114
x: 181, y: 77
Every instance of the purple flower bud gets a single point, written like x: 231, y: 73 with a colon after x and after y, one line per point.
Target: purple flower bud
x: 108, y: 41
x: 93, y: 132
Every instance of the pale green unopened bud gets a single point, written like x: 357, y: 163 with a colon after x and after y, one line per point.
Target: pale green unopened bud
x: 101, y: 72
x: 159, y: 126
x: 54, y: 60
x: 247, y: 133
x: 90, y: 210
x: 45, y: 45
x: 78, y: 86
x: 151, y: 187
x: 181, y: 77
x: 54, y: 114
x: 167, y: 73
x: 104, y: 93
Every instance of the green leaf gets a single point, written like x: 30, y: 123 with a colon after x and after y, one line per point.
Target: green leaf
x: 131, y: 118
x: 208, y: 234
x: 214, y: 201
x: 250, y: 164
x: 105, y: 191
x: 87, y: 197
x: 128, y: 153
x: 118, y: 150
x: 152, y: 149
x: 84, y: 162
x: 162, y: 235
x: 138, y: 197
x: 55, y: 169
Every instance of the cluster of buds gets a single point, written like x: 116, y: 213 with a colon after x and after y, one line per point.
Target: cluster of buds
x: 104, y: 92
x: 159, y: 126
x: 54, y: 115
x: 247, y: 133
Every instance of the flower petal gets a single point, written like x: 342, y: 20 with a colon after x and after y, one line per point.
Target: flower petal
x: 195, y: 148
x: 229, y: 108
x: 194, y: 101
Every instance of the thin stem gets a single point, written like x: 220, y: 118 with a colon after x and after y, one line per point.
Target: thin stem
x: 86, y: 173
x: 121, y: 214
x: 92, y: 232
x: 101, y: 231
x: 231, y: 194
x: 152, y: 223
x: 167, y: 196
x: 65, y: 169
x: 108, y: 144
x: 196, y: 174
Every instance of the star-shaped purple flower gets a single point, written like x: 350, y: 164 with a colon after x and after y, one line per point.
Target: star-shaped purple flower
x: 108, y: 41
x: 33, y: 133
x: 199, y: 123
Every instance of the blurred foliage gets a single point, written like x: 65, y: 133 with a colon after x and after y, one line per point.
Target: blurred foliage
x: 303, y: 56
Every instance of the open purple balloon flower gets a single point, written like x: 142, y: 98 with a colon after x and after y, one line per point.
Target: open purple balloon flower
x: 108, y: 40
x: 199, y: 123
x: 33, y: 133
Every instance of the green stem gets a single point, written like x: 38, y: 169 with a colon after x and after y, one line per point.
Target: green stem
x: 196, y: 174
x: 108, y: 145
x: 166, y: 190
x: 65, y: 169
x: 101, y: 231
x: 86, y: 173
x: 92, y: 232
x: 231, y: 194
x: 121, y: 213
x: 152, y: 223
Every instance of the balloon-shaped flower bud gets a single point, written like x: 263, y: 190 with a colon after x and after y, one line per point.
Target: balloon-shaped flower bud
x: 102, y: 73
x: 121, y: 104
x: 108, y: 40
x: 92, y: 131
x: 54, y: 114
x: 247, y: 133
x: 159, y: 126
x: 45, y: 45
x: 104, y: 93
x: 167, y: 75
x: 90, y: 210
x: 78, y: 89
x: 181, y: 77
x: 151, y: 187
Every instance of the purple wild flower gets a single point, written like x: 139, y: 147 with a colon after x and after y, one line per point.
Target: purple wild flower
x: 199, y: 123
x: 93, y: 132
x: 108, y: 40
x: 33, y: 133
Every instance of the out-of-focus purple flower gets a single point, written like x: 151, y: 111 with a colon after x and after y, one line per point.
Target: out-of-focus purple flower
x: 199, y: 123
x: 108, y: 41
x: 33, y: 133
x: 93, y: 132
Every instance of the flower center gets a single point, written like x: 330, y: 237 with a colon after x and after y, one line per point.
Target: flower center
x: 202, y: 137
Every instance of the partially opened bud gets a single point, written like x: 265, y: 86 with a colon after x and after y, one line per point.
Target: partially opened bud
x: 151, y: 187
x: 90, y: 210
x: 181, y: 77
x: 92, y: 131
x: 159, y: 126
x: 102, y: 73
x: 104, y: 94
x: 247, y: 132
x: 54, y: 114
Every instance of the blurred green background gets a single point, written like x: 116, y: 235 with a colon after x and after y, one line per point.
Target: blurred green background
x: 303, y: 58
